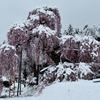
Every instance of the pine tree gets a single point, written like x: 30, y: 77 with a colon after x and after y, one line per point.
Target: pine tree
x: 70, y: 30
x: 76, y: 31
x: 65, y: 32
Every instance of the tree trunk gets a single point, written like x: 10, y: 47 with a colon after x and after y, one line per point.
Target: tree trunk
x: 37, y: 74
x: 18, y: 83
x: 20, y: 69
x: 14, y: 85
x: 20, y: 66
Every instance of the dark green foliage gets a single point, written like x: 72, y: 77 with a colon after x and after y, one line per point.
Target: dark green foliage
x: 4, y: 96
x: 6, y: 83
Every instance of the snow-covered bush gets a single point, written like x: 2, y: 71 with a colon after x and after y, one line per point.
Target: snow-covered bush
x: 66, y: 72
x: 93, y: 31
x: 79, y: 49
x: 69, y: 50
x: 84, y: 71
x: 88, y: 51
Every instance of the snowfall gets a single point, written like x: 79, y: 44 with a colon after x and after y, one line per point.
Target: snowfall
x: 79, y: 90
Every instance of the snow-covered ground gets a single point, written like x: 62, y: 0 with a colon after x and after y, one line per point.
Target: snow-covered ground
x: 79, y: 90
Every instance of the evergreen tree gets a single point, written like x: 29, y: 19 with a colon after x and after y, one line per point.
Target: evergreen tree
x: 76, y: 31
x: 70, y: 30
x: 65, y: 32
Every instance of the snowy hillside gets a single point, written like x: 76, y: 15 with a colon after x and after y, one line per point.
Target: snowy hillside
x: 79, y: 90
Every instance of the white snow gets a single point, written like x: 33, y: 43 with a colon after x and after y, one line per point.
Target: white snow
x: 85, y: 40
x: 45, y: 68
x: 6, y: 46
x: 80, y: 90
x: 93, y: 30
x: 78, y: 38
x: 43, y: 9
x: 65, y: 37
x: 44, y: 29
x: 62, y: 69
x: 18, y: 25
x: 4, y: 78
x: 35, y: 17
x: 69, y: 71
x: 84, y: 68
x: 27, y: 23
x: 6, y: 89
x: 48, y: 6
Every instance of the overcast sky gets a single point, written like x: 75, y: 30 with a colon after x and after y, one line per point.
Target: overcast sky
x: 75, y: 12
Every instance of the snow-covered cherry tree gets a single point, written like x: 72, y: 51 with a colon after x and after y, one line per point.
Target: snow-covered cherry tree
x: 8, y: 62
x: 69, y: 50
x: 17, y: 34
x: 42, y: 23
x: 46, y: 22
x: 88, y: 51
x: 47, y: 16
x: 7, y: 57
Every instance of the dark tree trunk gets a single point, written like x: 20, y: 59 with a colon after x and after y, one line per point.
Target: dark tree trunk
x: 55, y: 57
x: 20, y: 69
x: 37, y: 75
x: 18, y: 83
x: 19, y: 80
x: 34, y: 67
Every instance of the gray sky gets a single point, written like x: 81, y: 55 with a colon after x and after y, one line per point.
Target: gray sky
x: 75, y: 12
